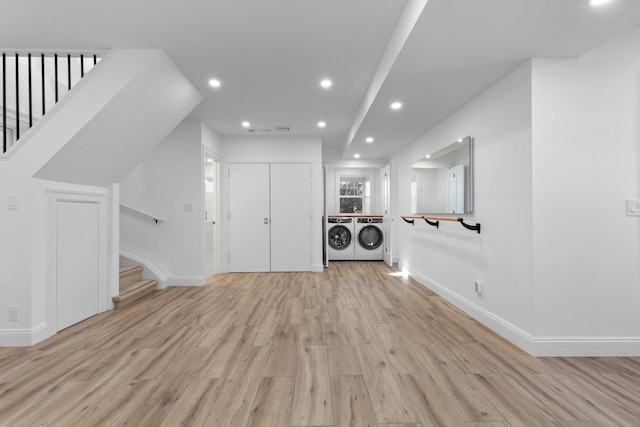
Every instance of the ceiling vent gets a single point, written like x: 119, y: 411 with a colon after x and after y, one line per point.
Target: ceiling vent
x: 283, y: 128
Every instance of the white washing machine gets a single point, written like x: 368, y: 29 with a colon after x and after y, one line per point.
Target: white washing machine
x: 341, y: 238
x: 369, y: 237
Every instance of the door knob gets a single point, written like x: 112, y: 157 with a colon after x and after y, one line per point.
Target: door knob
x: 266, y: 220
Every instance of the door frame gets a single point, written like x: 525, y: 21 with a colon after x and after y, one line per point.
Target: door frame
x: 386, y: 185
x: 101, y: 198
x: 217, y: 259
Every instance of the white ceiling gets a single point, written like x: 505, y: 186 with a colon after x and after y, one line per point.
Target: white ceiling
x: 271, y: 55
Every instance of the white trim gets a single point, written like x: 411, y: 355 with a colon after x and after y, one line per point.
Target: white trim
x: 206, y: 152
x: 101, y: 198
x: 24, y: 337
x: 185, y: 281
x: 153, y: 271
x: 586, y: 347
x: 536, y: 346
x: 114, y: 242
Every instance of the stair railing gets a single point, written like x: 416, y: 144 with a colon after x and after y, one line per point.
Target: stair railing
x: 32, y: 83
x: 140, y: 213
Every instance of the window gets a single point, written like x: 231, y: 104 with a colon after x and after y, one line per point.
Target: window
x: 354, y: 194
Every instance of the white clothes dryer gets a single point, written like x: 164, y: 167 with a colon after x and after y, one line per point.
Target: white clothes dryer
x: 341, y: 238
x: 369, y: 238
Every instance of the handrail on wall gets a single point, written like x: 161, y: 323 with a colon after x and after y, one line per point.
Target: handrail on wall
x: 141, y: 213
x: 410, y: 219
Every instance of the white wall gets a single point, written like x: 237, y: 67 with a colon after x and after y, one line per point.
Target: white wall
x: 451, y: 258
x: 586, y: 162
x: 210, y: 139
x: 277, y: 150
x: 25, y: 256
x: 557, y: 154
x: 168, y: 185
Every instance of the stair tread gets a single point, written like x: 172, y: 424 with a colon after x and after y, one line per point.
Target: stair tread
x: 130, y: 270
x: 136, y: 290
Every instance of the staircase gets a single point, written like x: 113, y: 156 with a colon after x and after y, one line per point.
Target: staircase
x: 132, y: 286
x: 31, y: 83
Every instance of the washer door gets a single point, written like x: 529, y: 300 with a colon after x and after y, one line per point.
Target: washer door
x: 370, y: 237
x: 339, y: 237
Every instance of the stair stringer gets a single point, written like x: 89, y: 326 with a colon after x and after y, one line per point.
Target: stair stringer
x: 131, y: 103
x: 120, y: 76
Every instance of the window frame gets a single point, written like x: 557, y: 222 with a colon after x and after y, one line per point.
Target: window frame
x: 366, y: 191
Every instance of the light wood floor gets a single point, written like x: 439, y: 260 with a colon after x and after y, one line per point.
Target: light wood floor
x: 353, y: 346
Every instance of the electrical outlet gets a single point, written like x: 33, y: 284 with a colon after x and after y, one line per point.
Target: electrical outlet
x: 13, y: 313
x: 478, y: 287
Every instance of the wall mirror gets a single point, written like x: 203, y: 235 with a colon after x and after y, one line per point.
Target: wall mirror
x: 442, y: 182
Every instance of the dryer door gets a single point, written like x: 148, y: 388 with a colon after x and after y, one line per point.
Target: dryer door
x: 339, y: 237
x: 370, y: 237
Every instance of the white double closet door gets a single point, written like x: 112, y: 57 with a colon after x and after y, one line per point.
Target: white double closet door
x: 270, y: 217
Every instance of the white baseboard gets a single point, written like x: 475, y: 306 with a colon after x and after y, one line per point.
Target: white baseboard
x: 586, y: 347
x: 24, y: 337
x: 317, y: 268
x: 185, y: 281
x: 537, y: 346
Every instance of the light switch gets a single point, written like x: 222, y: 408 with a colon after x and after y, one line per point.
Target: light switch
x: 633, y: 207
x: 12, y: 202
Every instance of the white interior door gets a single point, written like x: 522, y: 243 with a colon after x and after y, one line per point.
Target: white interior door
x: 77, y: 262
x: 249, y: 237
x: 210, y: 197
x: 291, y: 217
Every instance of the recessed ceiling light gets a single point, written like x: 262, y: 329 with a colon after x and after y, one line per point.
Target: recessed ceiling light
x: 326, y: 83
x: 246, y: 124
x: 356, y: 156
x: 369, y: 140
x: 598, y: 2
x: 214, y: 83
x: 321, y: 124
x: 428, y: 156
x: 396, y: 105
x: 460, y: 140
x: 210, y: 160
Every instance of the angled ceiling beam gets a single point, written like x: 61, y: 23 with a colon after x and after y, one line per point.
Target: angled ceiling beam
x: 406, y: 22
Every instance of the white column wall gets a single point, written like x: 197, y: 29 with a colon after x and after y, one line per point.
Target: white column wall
x: 450, y: 259
x: 557, y: 155
x: 586, y: 162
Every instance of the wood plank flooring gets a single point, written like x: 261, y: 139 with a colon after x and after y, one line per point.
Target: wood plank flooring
x: 353, y: 346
